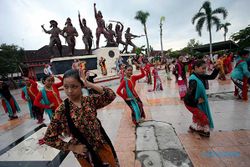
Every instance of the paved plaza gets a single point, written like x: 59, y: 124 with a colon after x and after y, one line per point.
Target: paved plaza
x: 162, y: 140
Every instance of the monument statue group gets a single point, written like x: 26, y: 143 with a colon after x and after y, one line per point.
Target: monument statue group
x: 69, y: 32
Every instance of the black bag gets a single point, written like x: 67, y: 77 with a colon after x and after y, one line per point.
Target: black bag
x: 77, y: 134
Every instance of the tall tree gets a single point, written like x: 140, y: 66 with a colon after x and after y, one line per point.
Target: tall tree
x: 225, y: 27
x: 210, y: 16
x: 11, y: 57
x: 242, y: 37
x: 161, y: 23
x: 142, y: 17
x: 189, y: 49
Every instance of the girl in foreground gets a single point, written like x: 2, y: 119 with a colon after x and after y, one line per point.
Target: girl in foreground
x: 127, y: 91
x: 196, y: 99
x: 78, y: 116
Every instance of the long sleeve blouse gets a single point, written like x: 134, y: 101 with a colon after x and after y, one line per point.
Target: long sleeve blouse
x: 32, y: 91
x: 189, y: 99
x: 52, y: 95
x: 84, y: 118
x: 121, y: 90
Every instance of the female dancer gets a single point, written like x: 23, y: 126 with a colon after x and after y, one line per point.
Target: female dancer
x: 78, y: 116
x: 29, y: 93
x: 49, y: 98
x: 196, y: 99
x: 127, y: 91
x: 240, y: 76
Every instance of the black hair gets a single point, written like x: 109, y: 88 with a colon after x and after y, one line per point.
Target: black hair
x: 127, y: 66
x: 73, y: 74
x: 243, y: 52
x: 199, y: 63
x: 44, y: 78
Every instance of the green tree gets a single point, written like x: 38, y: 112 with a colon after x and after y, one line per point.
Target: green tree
x: 139, y: 50
x: 225, y: 27
x: 162, y: 19
x: 206, y: 14
x: 193, y: 43
x: 11, y: 57
x: 242, y: 38
x: 142, y: 17
x: 190, y: 46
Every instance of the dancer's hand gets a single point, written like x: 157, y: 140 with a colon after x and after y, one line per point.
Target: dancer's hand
x: 78, y: 149
x: 136, y: 64
x: 51, y: 105
x: 82, y: 73
x: 200, y: 100
x: 217, y: 66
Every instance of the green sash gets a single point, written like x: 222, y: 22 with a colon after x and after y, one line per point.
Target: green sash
x: 46, y: 102
x: 25, y: 90
x: 9, y: 106
x: 134, y: 104
x: 201, y: 93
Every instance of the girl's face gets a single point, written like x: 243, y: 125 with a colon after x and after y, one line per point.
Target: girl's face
x: 129, y: 71
x: 200, y: 70
x: 72, y: 88
x: 49, y: 81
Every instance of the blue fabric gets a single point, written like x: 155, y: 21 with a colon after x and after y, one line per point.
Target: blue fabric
x: 29, y: 101
x: 46, y: 102
x: 9, y: 106
x: 240, y: 70
x: 134, y: 104
x: 201, y: 93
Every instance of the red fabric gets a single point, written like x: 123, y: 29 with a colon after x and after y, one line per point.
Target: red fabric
x: 180, y: 66
x: 32, y: 91
x: 182, y: 88
x: 12, y: 104
x: 229, y: 63
x: 199, y: 117
x: 121, y: 74
x: 244, y: 89
x: 147, y: 68
x: 51, y: 97
x: 121, y: 90
x: 155, y: 74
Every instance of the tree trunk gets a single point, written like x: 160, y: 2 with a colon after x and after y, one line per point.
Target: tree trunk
x: 146, y: 34
x: 161, y: 39
x: 225, y: 38
x: 210, y: 42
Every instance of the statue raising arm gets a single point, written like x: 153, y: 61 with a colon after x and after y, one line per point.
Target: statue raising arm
x: 121, y: 26
x: 80, y: 22
x: 95, y: 10
x: 46, y: 31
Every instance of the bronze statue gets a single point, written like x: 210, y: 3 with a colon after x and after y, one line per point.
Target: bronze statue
x: 128, y: 37
x: 100, y: 26
x: 87, y: 34
x: 110, y: 36
x: 54, y: 38
x: 69, y: 32
x: 118, y: 30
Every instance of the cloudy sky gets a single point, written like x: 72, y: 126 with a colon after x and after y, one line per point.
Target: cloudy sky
x: 21, y: 20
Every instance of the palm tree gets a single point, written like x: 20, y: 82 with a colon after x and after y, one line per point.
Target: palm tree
x: 224, y: 26
x: 161, y: 22
x: 142, y: 17
x: 207, y: 14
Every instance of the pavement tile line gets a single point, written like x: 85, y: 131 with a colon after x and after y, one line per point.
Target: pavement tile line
x: 157, y: 145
